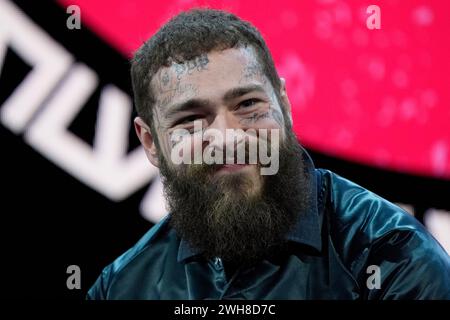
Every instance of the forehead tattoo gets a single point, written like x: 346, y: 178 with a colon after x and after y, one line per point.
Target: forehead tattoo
x: 252, y: 69
x: 198, y: 63
x: 169, y: 85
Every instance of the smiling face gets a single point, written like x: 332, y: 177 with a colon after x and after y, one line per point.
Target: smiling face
x: 220, y: 90
x: 230, y: 211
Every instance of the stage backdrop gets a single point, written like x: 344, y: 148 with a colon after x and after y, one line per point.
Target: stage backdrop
x: 368, y: 85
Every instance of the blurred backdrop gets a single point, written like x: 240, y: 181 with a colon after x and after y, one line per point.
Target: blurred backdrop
x: 373, y: 105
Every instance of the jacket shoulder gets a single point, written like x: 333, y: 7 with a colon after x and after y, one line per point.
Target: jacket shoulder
x: 100, y: 288
x: 366, y: 229
x: 354, y: 205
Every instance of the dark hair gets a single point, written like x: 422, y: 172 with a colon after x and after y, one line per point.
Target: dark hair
x: 187, y: 36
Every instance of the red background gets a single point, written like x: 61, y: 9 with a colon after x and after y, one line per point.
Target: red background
x: 379, y: 97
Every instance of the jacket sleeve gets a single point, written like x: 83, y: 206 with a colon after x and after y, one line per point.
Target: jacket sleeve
x: 411, y: 265
x: 99, y: 290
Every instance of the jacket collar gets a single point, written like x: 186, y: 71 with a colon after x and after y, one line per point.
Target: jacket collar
x: 307, y: 231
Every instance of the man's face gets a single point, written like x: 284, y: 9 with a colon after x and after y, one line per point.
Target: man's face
x: 231, y: 211
x: 220, y: 90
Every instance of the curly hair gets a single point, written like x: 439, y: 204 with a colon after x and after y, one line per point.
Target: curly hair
x: 189, y: 35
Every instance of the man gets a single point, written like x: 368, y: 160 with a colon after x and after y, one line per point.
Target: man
x: 233, y: 232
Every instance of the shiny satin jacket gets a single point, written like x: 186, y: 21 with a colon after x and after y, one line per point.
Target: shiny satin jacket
x: 348, y: 237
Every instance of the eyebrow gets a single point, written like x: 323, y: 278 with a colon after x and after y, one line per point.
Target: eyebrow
x: 240, y: 91
x: 195, y: 103
x: 187, y: 105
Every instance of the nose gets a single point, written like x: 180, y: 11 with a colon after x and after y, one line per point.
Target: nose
x: 225, y: 120
x: 223, y: 128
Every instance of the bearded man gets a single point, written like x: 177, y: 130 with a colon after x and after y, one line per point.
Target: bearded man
x: 235, y: 231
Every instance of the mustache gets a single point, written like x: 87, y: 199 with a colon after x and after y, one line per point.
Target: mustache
x: 204, y: 169
x: 239, y: 149
x: 266, y: 159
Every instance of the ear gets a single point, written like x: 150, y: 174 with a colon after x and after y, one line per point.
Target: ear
x: 285, y: 103
x: 147, y: 140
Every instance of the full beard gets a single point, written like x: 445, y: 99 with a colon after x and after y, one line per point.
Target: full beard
x: 220, y: 219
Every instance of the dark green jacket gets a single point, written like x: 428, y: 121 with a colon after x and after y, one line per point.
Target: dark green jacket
x: 347, y: 238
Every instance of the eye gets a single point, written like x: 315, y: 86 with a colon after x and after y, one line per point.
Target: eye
x: 248, y: 103
x: 188, y: 119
